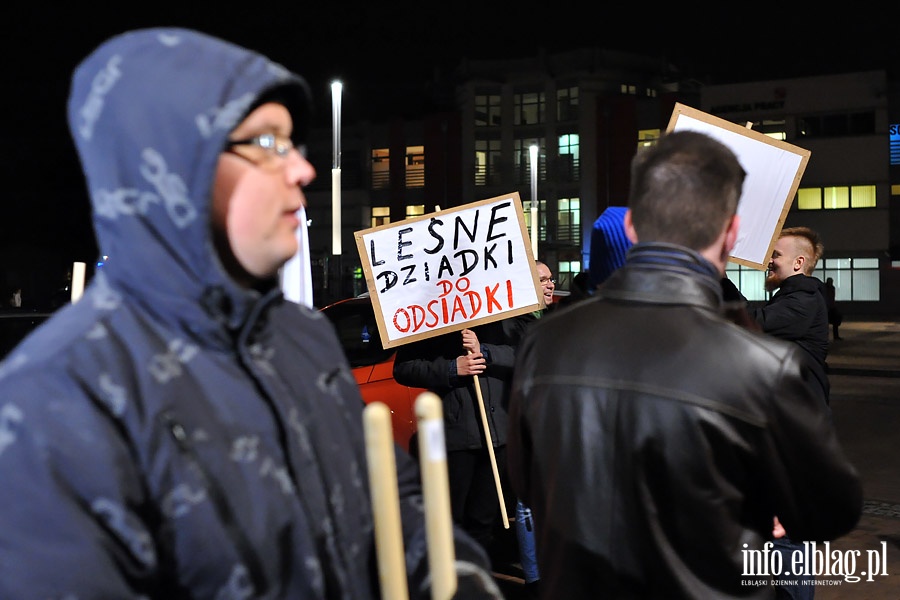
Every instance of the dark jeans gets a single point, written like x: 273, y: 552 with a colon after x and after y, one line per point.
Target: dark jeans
x: 786, y: 548
x: 473, y: 491
x: 525, y: 536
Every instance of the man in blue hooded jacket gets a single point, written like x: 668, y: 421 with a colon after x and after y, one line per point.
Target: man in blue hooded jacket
x: 183, y: 431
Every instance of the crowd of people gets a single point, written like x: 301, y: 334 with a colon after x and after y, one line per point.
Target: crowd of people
x: 185, y: 431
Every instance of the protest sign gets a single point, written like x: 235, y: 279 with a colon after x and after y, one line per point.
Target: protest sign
x: 774, y: 169
x: 449, y: 270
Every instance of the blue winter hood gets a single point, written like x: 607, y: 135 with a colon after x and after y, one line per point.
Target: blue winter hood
x: 150, y: 111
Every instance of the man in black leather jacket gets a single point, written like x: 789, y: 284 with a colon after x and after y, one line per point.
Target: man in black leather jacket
x: 654, y: 439
x: 797, y: 312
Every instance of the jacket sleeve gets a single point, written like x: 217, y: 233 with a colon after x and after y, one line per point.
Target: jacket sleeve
x: 817, y: 491
x: 420, y: 364
x: 788, y: 315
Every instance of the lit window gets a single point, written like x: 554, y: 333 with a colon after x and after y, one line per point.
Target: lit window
x: 381, y: 215
x: 487, y: 110
x: 415, y: 210
x: 857, y: 196
x: 809, y: 198
x: 751, y: 282
x: 528, y: 108
x: 381, y: 168
x: 568, y: 220
x: 568, y: 157
x: 862, y: 196
x: 487, y: 162
x: 415, y: 166
x: 837, y: 197
x: 566, y: 270
x: 855, y: 279
x: 648, y: 137
x: 542, y: 218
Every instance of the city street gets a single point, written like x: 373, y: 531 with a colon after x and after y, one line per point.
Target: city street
x: 865, y: 398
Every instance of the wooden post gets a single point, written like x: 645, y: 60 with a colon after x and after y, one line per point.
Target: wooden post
x: 436, y: 494
x: 385, y: 501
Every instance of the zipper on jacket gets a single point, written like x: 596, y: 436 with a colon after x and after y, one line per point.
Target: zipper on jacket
x: 223, y: 510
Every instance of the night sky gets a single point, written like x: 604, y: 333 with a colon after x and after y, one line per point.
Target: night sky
x: 380, y: 51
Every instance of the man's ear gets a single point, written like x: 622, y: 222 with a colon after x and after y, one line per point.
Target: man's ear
x: 731, y: 234
x: 630, y: 232
x: 798, y: 263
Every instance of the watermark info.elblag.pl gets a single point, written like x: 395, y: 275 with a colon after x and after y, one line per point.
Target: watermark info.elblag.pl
x: 814, y: 560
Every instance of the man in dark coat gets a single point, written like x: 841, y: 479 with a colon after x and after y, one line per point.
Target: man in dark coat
x: 798, y: 311
x: 448, y: 365
x: 654, y: 439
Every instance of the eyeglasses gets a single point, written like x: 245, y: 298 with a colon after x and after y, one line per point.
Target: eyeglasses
x: 271, y: 143
x: 544, y: 280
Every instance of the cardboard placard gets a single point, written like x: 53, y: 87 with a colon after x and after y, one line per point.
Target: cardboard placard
x: 449, y: 270
x: 774, y: 169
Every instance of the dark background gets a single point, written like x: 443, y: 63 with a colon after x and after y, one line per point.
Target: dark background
x: 388, y: 55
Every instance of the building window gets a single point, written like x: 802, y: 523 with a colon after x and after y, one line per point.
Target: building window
x: 381, y: 215
x: 751, y: 282
x: 487, y: 110
x: 647, y: 137
x: 542, y: 218
x: 855, y: 279
x: 836, y: 125
x: 487, y: 162
x: 528, y: 108
x: 568, y: 221
x: 566, y: 270
x: 862, y: 196
x: 568, y: 157
x: 522, y: 158
x: 809, y: 198
x: 774, y: 128
x: 381, y: 168
x: 567, y: 104
x: 415, y: 210
x: 628, y: 90
x: 415, y: 166
x: 838, y: 196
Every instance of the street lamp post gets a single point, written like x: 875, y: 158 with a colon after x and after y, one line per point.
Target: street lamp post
x: 533, y: 152
x: 336, y: 90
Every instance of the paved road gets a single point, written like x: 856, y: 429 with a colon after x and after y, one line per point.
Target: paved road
x: 865, y: 400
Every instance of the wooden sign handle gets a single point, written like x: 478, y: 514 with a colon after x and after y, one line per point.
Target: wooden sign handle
x: 490, y: 447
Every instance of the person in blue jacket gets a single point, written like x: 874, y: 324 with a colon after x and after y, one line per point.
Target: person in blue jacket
x: 183, y: 431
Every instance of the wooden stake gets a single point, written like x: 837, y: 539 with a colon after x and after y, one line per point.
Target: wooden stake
x: 490, y: 447
x: 385, y: 501
x: 436, y: 493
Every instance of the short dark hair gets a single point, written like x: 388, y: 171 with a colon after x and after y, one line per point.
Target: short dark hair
x: 684, y: 189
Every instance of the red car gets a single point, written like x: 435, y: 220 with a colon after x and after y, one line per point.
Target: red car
x: 373, y: 366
